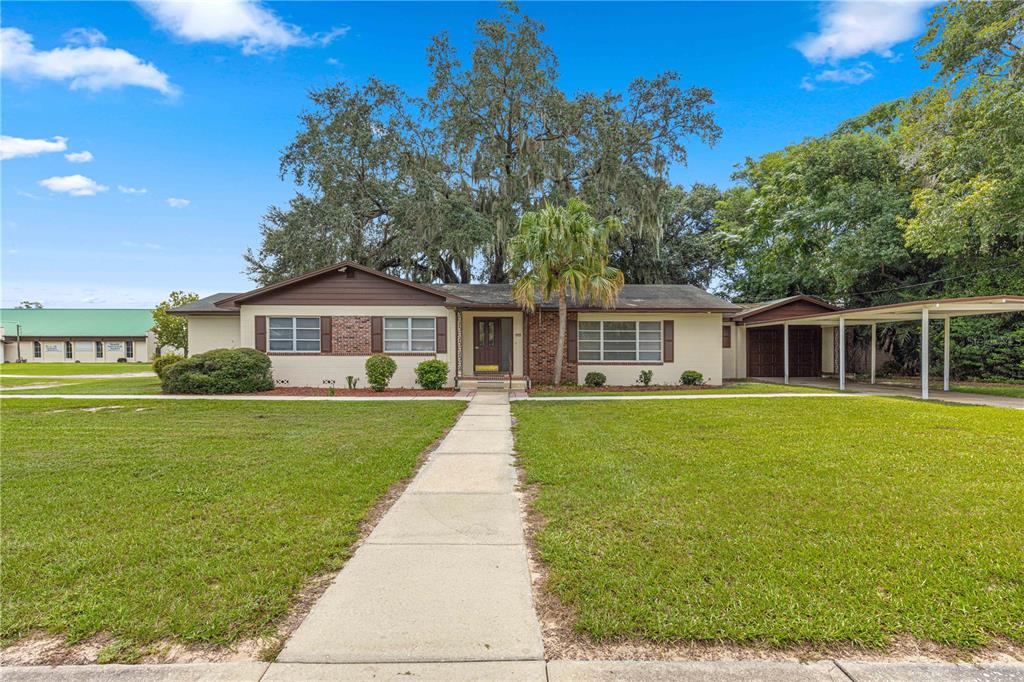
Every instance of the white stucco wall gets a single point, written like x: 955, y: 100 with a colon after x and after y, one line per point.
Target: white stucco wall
x: 207, y: 332
x: 729, y: 354
x: 53, y: 351
x: 313, y: 369
x: 697, y: 345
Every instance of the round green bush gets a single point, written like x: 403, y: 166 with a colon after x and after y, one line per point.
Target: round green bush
x: 379, y: 370
x: 432, y: 374
x: 161, y: 364
x: 224, y: 370
x: 691, y: 377
x: 595, y: 379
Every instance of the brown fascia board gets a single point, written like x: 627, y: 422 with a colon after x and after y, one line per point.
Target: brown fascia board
x: 924, y: 302
x: 235, y: 300
x: 747, y: 312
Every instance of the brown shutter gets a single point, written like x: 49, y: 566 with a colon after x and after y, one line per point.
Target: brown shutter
x: 261, y: 333
x: 376, y: 334
x: 571, y: 334
x: 441, y: 332
x: 669, y: 352
x: 326, y: 330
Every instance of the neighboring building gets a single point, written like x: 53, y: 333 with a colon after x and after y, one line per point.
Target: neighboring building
x: 323, y: 325
x: 77, y: 335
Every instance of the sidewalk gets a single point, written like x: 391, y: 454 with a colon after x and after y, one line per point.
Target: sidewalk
x: 444, y: 575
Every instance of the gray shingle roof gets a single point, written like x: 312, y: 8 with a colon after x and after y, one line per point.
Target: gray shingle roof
x: 207, y: 305
x: 632, y: 297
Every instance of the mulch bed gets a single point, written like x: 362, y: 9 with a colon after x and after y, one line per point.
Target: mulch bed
x: 356, y: 393
x: 573, y: 388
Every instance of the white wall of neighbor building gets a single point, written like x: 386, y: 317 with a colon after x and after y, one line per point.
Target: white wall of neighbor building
x: 312, y: 369
x: 207, y: 332
x: 697, y: 346
x: 729, y: 354
x: 82, y: 350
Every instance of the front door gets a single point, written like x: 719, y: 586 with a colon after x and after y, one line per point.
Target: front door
x: 486, y: 344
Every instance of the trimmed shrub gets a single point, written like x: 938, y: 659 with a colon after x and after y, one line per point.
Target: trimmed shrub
x: 161, y: 364
x: 379, y: 370
x: 224, y: 370
x: 691, y: 377
x: 595, y: 379
x: 646, y: 375
x: 432, y: 374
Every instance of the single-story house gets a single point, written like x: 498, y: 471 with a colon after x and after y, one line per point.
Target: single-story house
x: 77, y: 335
x: 320, y: 327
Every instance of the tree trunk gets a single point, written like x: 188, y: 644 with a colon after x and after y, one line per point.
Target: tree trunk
x: 563, y: 315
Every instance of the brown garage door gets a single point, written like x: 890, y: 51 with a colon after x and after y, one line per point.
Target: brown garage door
x: 764, y: 352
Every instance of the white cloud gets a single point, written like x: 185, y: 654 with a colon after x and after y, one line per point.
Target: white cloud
x: 174, y: 202
x: 131, y: 190
x: 855, y: 75
x: 853, y: 28
x: 85, y: 68
x: 328, y: 37
x: 236, y: 22
x: 85, y: 36
x: 13, y: 147
x: 75, y: 185
x: 79, y: 157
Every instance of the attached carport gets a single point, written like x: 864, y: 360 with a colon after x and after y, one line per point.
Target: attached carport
x: 913, y: 311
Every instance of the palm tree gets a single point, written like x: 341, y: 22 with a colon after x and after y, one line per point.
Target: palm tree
x: 563, y: 251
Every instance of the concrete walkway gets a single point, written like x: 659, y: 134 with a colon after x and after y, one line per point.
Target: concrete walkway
x: 890, y: 390
x: 533, y: 671
x: 461, y: 395
x: 444, y: 576
x: 123, y: 375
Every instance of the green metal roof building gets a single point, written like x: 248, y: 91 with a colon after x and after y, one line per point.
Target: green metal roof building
x: 77, y: 335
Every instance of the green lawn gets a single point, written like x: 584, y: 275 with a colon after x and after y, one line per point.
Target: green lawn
x: 72, y: 386
x: 1008, y: 390
x: 195, y: 520
x: 72, y: 368
x: 782, y: 521
x: 744, y: 387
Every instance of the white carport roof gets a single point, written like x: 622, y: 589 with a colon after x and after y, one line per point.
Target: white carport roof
x: 938, y: 308
x: 921, y: 311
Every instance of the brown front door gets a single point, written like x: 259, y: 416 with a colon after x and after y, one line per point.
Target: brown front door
x: 486, y: 344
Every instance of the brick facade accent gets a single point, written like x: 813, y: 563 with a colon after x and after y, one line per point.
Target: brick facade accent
x: 350, y: 335
x: 542, y: 344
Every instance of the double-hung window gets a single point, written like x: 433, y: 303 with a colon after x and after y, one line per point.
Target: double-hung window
x: 294, y: 334
x: 37, y: 349
x: 129, y: 349
x: 410, y: 335
x: 619, y: 341
x: 99, y: 350
x: 68, y: 355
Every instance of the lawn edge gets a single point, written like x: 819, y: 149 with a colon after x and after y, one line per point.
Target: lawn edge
x: 54, y: 650
x: 562, y: 641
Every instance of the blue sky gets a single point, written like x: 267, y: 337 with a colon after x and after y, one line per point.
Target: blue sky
x: 193, y: 107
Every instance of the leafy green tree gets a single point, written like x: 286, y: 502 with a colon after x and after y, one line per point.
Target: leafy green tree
x: 172, y: 330
x: 562, y: 251
x: 687, y: 252
x: 29, y: 305
x: 964, y: 140
x: 435, y: 187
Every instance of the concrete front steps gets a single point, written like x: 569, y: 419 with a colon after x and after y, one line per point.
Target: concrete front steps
x: 492, y: 383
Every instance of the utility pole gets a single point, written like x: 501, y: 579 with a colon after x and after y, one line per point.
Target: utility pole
x: 17, y: 330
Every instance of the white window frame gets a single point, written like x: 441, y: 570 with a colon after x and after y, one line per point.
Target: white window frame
x: 99, y: 350
x: 587, y: 356
x: 37, y: 349
x: 294, y: 339
x: 129, y: 349
x: 69, y: 351
x: 402, y: 338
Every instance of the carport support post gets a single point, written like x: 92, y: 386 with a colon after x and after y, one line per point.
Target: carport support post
x: 842, y: 353
x: 924, y: 353
x: 785, y: 352
x: 945, y: 356
x: 874, y: 337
